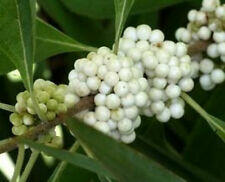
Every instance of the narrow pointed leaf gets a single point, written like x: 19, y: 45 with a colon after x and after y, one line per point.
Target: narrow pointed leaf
x: 93, y: 8
x: 72, y: 158
x: 122, y: 9
x: 51, y: 41
x: 125, y: 163
x: 217, y: 125
x: 17, y: 45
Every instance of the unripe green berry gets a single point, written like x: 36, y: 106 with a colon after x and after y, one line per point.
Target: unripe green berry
x: 31, y: 111
x: 50, y: 89
x: 39, y: 84
x: 22, y: 96
x: 50, y: 115
x: 43, y: 108
x: 20, y: 107
x: 52, y: 104
x: 61, y: 108
x: 59, y: 94
x: 15, y: 119
x: 30, y: 103
x: 19, y: 130
x: 42, y: 96
x: 28, y: 119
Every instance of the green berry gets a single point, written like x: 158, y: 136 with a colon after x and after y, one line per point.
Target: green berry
x: 31, y: 111
x: 15, y: 119
x: 42, y: 96
x: 43, y: 108
x: 50, y: 87
x: 58, y: 95
x: 22, y: 96
x: 28, y: 119
x: 39, y: 84
x: 20, y: 107
x: 61, y: 108
x: 30, y: 103
x: 19, y: 130
x: 50, y: 115
x: 52, y: 104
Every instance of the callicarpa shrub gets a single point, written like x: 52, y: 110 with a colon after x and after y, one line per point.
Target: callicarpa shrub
x: 126, y: 107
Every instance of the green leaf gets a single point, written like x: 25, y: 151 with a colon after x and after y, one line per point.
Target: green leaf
x: 204, y: 147
x: 72, y: 158
x: 217, y: 125
x: 102, y: 9
x: 125, y: 163
x: 51, y: 41
x: 17, y: 25
x: 122, y: 9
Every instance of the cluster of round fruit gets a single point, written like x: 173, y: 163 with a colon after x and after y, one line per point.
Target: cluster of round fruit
x: 165, y: 64
x: 119, y: 88
x: 50, y: 99
x: 207, y: 24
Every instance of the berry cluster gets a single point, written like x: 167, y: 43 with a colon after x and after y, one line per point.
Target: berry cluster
x: 207, y: 24
x: 165, y: 64
x: 50, y: 99
x: 119, y: 88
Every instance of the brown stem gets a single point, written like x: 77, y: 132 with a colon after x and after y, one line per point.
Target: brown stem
x: 12, y: 143
x: 198, y: 47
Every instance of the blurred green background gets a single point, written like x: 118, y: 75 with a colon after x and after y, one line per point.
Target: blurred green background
x: 187, y: 146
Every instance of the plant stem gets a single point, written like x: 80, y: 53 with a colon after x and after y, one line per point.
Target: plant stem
x: 199, y: 109
x: 61, y: 167
x: 7, y: 107
x: 29, y: 166
x: 19, y: 163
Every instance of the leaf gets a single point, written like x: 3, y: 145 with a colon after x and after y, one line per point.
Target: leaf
x: 125, y: 163
x: 72, y: 158
x: 204, y: 147
x: 122, y: 9
x: 18, y: 43
x: 51, y: 41
x: 217, y: 125
x: 94, y: 9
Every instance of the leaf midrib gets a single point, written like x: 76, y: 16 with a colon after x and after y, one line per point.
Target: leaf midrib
x: 24, y: 50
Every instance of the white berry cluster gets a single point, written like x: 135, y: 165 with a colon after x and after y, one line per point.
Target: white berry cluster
x: 50, y: 98
x: 207, y: 24
x: 119, y: 88
x: 165, y: 64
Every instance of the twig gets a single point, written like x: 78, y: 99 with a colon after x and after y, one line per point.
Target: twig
x: 198, y: 47
x: 19, y: 163
x: 29, y: 166
x: 12, y: 143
